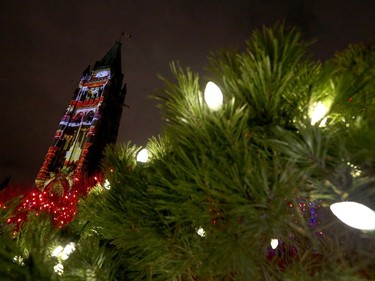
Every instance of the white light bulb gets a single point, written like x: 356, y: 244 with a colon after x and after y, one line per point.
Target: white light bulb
x: 274, y: 243
x: 63, y: 256
x: 59, y: 268
x: 201, y: 232
x: 354, y: 214
x: 142, y: 156
x: 68, y: 250
x: 57, y: 251
x: 319, y: 110
x: 107, y: 184
x: 213, y: 96
x: 19, y: 260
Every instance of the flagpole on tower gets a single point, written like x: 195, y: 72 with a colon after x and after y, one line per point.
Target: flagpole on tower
x: 124, y: 34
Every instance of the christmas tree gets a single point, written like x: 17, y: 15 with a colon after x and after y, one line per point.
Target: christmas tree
x: 239, y: 188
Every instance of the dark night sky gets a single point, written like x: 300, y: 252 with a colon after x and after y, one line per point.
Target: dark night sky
x: 45, y: 46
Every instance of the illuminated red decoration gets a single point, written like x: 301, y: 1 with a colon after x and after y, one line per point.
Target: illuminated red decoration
x: 94, y: 83
x: 58, y: 200
x: 81, y: 162
x: 58, y: 134
x: 42, y: 175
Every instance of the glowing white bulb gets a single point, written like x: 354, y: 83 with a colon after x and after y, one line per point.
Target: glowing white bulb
x: 354, y: 214
x: 319, y: 110
x: 63, y: 253
x: 59, y: 268
x: 274, y: 243
x: 63, y: 256
x: 57, y: 251
x: 213, y: 96
x: 142, y: 156
x: 201, y: 232
x: 68, y: 250
x: 107, y: 184
x: 19, y: 260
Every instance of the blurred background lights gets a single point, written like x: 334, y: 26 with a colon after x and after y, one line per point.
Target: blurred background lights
x: 354, y: 214
x: 355, y: 170
x: 142, y: 156
x: 318, y: 111
x: 274, y: 243
x: 213, y: 96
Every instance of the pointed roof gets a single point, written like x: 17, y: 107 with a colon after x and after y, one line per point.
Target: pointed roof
x: 112, y: 58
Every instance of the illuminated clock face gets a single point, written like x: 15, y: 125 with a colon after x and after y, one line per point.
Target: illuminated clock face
x: 101, y: 73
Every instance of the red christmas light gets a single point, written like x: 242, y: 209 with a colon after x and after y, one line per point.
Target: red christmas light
x: 61, y: 207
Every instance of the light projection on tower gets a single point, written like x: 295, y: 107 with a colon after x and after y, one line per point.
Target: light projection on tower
x: 90, y: 122
x: 80, y: 118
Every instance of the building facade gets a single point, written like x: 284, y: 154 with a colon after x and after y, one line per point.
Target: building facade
x: 89, y: 124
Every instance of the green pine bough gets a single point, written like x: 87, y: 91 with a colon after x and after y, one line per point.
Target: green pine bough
x: 220, y: 185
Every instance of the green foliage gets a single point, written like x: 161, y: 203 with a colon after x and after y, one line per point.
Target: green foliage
x: 93, y: 259
x: 10, y: 269
x: 37, y: 238
x: 244, y: 174
x: 355, y: 78
x: 273, y: 77
x: 241, y: 172
x: 25, y: 254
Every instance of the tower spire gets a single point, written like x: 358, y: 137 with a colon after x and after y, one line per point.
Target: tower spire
x: 112, y: 58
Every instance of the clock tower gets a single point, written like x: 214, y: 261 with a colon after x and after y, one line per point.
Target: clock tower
x: 90, y: 122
